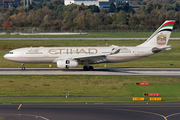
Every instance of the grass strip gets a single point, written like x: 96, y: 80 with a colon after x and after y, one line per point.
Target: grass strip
x: 91, y: 35
x: 87, y: 85
x: 79, y: 100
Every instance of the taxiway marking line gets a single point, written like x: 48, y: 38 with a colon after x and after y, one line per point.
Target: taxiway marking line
x: 143, y: 112
x: 172, y: 115
x: 165, y: 117
x: 19, y: 106
x: 27, y: 115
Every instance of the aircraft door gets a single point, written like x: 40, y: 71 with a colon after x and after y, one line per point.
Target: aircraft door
x: 137, y: 52
x: 21, y: 54
x: 46, y: 53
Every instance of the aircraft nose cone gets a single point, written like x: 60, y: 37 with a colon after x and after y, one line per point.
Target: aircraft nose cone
x: 5, y: 56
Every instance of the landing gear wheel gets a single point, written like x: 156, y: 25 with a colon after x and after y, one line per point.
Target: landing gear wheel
x: 23, y: 68
x: 85, y: 68
x: 91, y: 68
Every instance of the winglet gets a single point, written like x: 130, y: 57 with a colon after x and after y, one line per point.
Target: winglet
x: 115, y: 51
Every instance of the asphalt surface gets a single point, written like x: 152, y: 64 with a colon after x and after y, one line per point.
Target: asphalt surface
x: 99, y: 71
x: 80, y: 38
x: 91, y: 111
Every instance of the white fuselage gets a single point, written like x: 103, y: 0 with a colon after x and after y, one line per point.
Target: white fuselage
x: 51, y: 54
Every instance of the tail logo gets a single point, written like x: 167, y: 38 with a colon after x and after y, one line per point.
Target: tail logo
x: 161, y: 39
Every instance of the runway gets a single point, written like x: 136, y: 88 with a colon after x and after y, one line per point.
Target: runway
x: 175, y: 72
x: 140, y: 38
x: 90, y: 111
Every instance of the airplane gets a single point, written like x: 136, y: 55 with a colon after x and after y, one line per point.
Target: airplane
x: 70, y: 57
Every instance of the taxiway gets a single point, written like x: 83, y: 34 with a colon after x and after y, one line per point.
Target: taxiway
x: 90, y: 111
x: 98, y: 71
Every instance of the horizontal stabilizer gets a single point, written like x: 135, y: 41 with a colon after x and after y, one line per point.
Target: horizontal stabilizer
x: 157, y: 50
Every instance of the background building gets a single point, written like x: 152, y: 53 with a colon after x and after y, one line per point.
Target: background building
x: 10, y: 3
x: 15, y: 3
x: 105, y: 4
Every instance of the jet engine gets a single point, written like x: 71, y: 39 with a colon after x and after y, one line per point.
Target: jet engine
x: 66, y: 63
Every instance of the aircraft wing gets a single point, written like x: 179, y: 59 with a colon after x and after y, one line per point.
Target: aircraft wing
x: 96, y: 58
x: 89, y: 56
x: 92, y: 58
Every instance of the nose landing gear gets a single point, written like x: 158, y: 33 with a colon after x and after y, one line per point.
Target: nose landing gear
x: 22, y: 64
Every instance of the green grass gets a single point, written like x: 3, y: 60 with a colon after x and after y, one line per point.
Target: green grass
x: 168, y: 59
x: 171, y: 89
x: 91, y: 35
x: 11, y: 44
x: 78, y: 100
x: 83, y: 85
x: 99, y: 87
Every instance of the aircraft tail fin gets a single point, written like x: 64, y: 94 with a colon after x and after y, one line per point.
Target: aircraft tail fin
x: 161, y: 36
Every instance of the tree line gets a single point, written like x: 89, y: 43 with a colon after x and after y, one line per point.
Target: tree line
x: 54, y: 15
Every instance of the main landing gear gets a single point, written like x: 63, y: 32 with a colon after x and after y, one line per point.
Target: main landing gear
x: 88, y: 68
x: 22, y: 64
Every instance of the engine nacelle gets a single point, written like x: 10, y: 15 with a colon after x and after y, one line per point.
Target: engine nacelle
x: 66, y: 64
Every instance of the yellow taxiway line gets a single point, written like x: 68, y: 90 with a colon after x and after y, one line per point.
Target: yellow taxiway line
x: 19, y: 106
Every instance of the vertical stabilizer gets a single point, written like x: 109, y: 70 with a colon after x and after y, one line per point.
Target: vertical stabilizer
x: 161, y: 36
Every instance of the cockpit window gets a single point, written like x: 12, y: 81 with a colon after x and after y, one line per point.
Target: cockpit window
x: 10, y: 52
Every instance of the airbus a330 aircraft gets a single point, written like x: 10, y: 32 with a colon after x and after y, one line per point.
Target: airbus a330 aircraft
x: 69, y: 57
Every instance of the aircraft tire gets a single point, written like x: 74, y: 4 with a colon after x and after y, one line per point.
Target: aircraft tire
x: 91, y: 68
x: 85, y: 68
